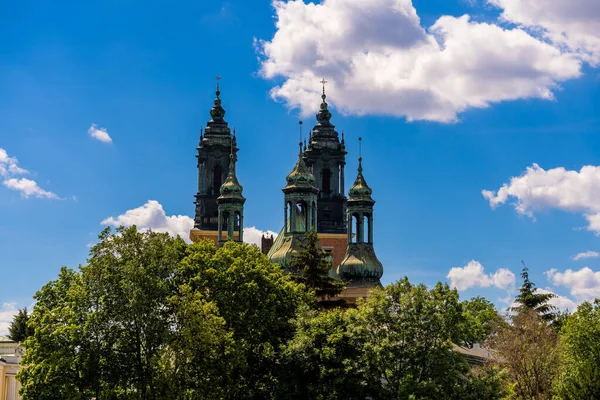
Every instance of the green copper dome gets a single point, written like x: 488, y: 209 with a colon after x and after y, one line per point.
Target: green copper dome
x: 360, y: 190
x: 300, y: 177
x: 231, y: 188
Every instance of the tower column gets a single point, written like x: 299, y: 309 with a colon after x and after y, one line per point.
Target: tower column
x: 370, y: 218
x: 241, y: 233
x: 285, y: 217
x: 293, y: 207
x: 220, y: 224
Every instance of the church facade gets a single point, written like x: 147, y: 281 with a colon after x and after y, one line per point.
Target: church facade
x: 314, y: 198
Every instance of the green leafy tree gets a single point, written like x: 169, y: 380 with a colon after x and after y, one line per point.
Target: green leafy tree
x: 18, y: 329
x: 481, y: 319
x: 103, y: 332
x: 529, y: 298
x: 60, y: 359
x: 407, y: 334
x: 322, y: 361
x: 580, y: 339
x: 528, y: 349
x: 313, y: 267
x: 257, y: 302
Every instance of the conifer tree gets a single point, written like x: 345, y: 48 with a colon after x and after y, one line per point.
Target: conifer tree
x: 312, y: 267
x: 529, y: 298
x: 18, y: 329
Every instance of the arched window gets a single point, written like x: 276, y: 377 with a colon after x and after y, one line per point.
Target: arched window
x: 366, y: 228
x: 355, y: 226
x: 217, y: 175
x: 301, y: 217
x: 326, y: 187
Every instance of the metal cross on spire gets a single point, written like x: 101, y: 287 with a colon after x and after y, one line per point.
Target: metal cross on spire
x: 323, y: 82
x: 218, y: 78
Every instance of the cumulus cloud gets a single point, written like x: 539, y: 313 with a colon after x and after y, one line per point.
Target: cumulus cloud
x: 473, y: 275
x: 253, y: 235
x: 9, y: 168
x: 584, y: 255
x: 584, y: 284
x: 152, y: 216
x: 99, y: 134
x: 7, y: 313
x: 537, y: 189
x: 561, y: 302
x: 573, y: 24
x: 379, y: 59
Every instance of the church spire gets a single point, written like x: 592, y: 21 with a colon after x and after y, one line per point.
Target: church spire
x: 231, y: 205
x: 217, y: 125
x: 360, y: 266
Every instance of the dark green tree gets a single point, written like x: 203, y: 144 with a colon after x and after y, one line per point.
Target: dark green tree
x: 313, y: 267
x: 256, y: 301
x: 580, y: 339
x: 18, y: 329
x: 529, y: 298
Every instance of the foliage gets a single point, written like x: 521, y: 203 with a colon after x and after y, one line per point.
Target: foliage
x: 481, y: 320
x: 322, y: 361
x: 18, y: 329
x: 256, y: 302
x: 580, y: 339
x: 527, y: 348
x: 312, y: 267
x: 530, y: 299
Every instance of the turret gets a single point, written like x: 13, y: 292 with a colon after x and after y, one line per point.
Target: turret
x: 231, y: 206
x: 360, y: 267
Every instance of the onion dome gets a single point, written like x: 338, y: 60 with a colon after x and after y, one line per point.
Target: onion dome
x: 231, y: 188
x: 300, y: 177
x: 360, y: 190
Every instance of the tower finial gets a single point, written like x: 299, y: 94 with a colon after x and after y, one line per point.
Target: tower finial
x: 300, y: 124
x: 323, y: 82
x: 218, y: 78
x: 360, y: 154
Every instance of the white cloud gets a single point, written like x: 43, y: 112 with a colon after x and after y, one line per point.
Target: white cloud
x: 537, y: 189
x: 584, y: 284
x: 9, y: 167
x: 28, y: 188
x: 560, y: 302
x: 7, y: 313
x: 99, y: 133
x: 152, y: 216
x: 378, y: 59
x: 573, y: 24
x: 473, y: 275
x: 584, y: 255
x: 253, y: 235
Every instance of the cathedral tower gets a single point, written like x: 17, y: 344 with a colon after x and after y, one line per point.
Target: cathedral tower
x: 360, y: 268
x: 216, y: 144
x: 300, y: 212
x: 231, y: 206
x: 326, y: 157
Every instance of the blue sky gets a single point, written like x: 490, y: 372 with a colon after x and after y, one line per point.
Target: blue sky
x: 448, y: 106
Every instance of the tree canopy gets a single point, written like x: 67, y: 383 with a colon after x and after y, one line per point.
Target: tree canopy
x: 18, y: 329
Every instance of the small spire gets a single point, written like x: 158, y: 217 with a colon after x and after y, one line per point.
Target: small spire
x: 300, y: 124
x: 343, y: 142
x: 360, y: 155
x: 304, y: 144
x: 234, y: 132
x: 218, y: 78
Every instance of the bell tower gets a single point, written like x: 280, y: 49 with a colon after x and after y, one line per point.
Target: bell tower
x: 231, y: 207
x: 360, y: 269
x: 300, y: 212
x: 213, y: 154
x: 325, y: 155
